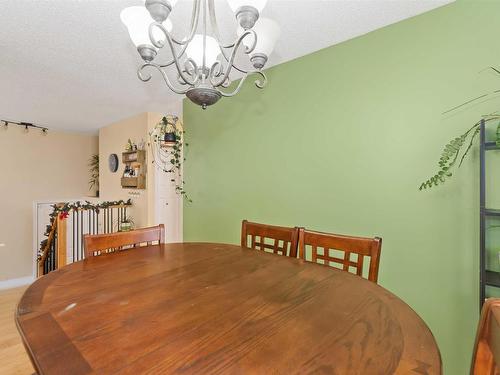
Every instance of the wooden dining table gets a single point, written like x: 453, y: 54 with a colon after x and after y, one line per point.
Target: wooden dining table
x: 207, y: 308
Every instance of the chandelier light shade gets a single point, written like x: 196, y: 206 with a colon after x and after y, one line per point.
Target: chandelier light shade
x: 269, y: 33
x: 201, y: 63
x: 137, y: 19
x: 194, y: 50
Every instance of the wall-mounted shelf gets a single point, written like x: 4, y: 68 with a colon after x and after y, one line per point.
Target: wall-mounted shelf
x: 134, y: 182
x: 134, y: 161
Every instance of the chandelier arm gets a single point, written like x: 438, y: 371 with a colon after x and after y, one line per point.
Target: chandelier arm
x: 170, y: 62
x: 160, y: 44
x: 215, y: 26
x: 191, y: 68
x: 241, y: 70
x: 194, y: 22
x: 217, y: 64
x: 226, y: 83
x: 236, y: 67
x: 164, y: 75
x: 216, y: 32
x: 259, y: 83
x: 195, y: 15
x: 184, y: 42
x: 157, y: 43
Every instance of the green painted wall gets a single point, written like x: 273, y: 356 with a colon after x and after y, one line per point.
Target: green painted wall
x: 340, y: 140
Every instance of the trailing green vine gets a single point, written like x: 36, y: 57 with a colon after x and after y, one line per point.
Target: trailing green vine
x: 62, y: 211
x: 167, y: 146
x: 176, y: 161
x: 452, y: 153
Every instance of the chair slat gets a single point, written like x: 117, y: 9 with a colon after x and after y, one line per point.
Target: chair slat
x: 359, y: 265
x: 347, y: 256
x: 314, y: 254
x: 347, y: 245
x: 289, y: 237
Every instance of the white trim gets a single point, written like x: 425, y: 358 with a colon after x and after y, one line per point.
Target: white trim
x: 13, y: 283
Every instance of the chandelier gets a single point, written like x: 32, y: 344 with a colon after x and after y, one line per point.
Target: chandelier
x: 202, y: 63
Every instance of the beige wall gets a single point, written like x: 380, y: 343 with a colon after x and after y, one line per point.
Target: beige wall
x: 112, y: 140
x: 36, y: 167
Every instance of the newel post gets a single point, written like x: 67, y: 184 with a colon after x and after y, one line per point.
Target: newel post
x: 61, y: 241
x: 40, y: 267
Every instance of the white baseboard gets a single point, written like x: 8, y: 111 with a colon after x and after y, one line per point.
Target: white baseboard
x: 14, y: 283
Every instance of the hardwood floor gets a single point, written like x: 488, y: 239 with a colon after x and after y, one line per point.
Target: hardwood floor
x: 13, y: 358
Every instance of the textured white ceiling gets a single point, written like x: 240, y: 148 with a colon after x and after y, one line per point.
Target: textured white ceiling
x: 69, y: 64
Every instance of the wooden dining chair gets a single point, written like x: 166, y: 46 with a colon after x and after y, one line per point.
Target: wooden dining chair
x: 279, y: 240
x: 486, y: 355
x: 109, y: 242
x: 345, y: 252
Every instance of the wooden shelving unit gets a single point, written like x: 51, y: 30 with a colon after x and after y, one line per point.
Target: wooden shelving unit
x: 135, y: 160
x: 487, y: 276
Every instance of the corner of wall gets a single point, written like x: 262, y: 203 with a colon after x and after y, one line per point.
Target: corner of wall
x: 112, y: 140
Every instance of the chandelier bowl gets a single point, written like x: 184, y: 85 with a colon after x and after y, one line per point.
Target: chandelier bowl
x: 204, y: 95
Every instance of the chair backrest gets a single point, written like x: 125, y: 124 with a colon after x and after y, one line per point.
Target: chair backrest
x: 280, y: 240
x: 336, y: 250
x: 486, y: 355
x: 110, y: 242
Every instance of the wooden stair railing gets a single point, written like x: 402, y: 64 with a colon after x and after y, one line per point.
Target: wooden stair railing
x: 46, y: 250
x: 73, y: 225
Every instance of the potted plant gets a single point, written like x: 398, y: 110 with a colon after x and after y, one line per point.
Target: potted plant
x: 169, y: 137
x: 167, y: 148
x: 126, y: 224
x: 129, y: 146
x: 170, y: 129
x: 94, y: 173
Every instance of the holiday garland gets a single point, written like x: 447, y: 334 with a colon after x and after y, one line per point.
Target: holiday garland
x: 62, y: 211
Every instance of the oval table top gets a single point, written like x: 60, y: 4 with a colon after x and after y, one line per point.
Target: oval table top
x: 214, y: 308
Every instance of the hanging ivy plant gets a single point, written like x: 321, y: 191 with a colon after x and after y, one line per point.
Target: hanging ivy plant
x: 176, y: 161
x: 167, y: 146
x: 454, y: 152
